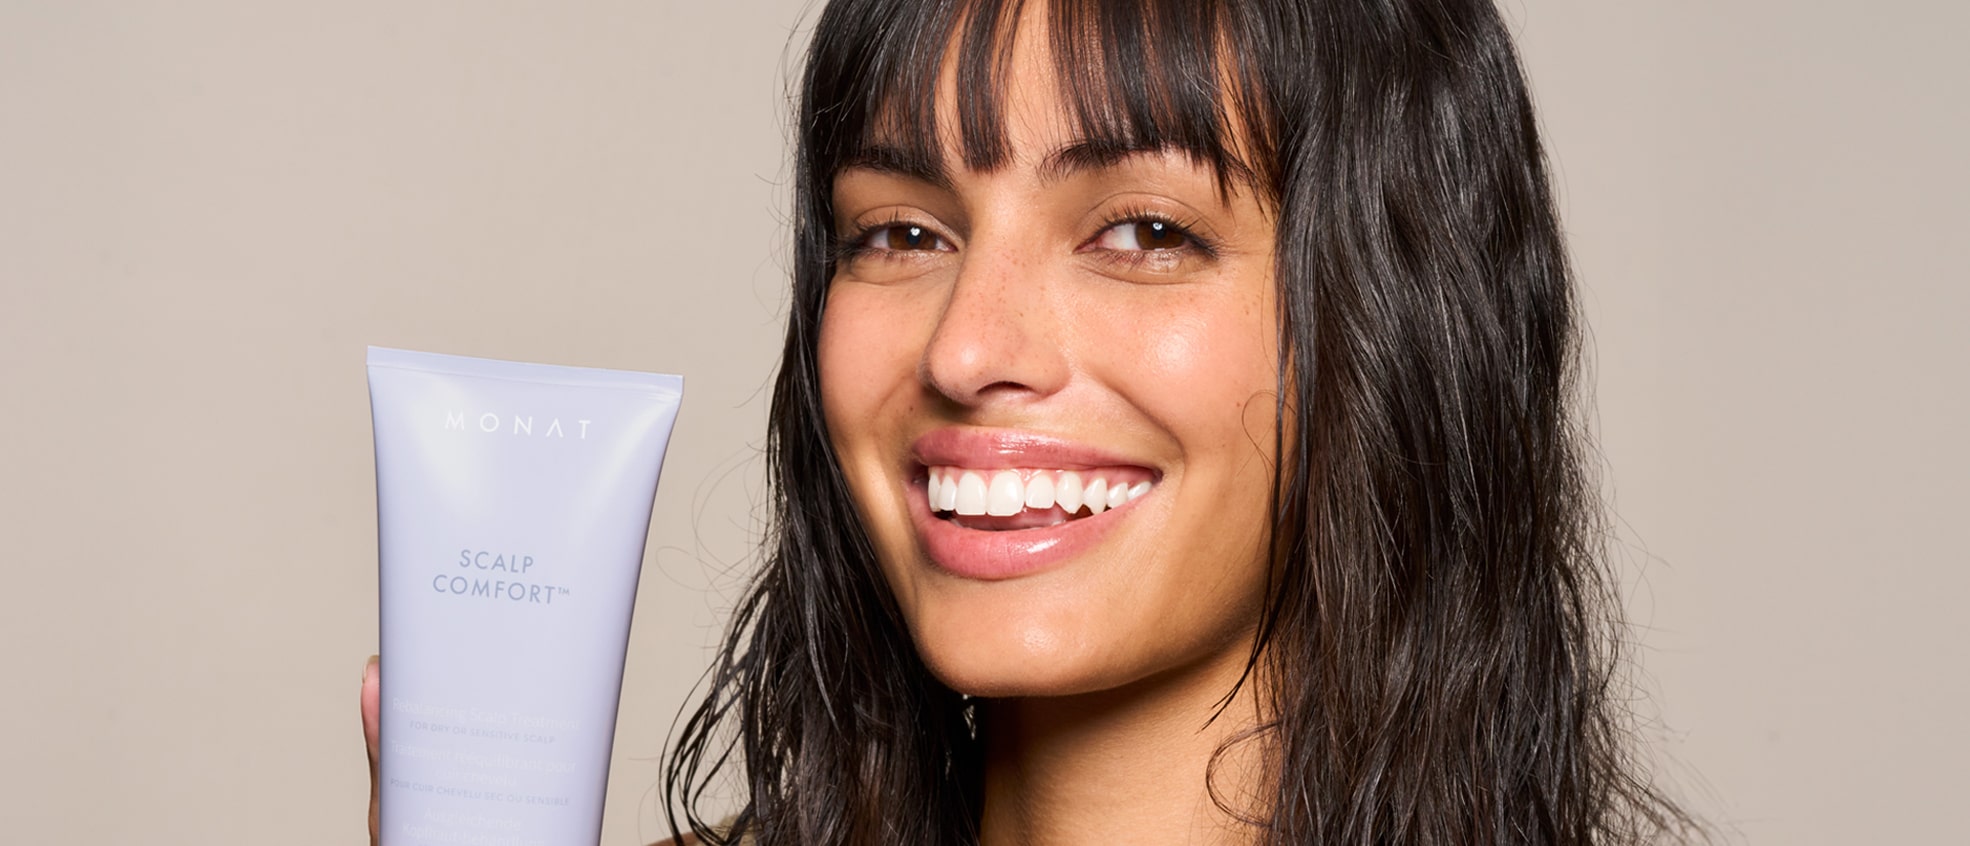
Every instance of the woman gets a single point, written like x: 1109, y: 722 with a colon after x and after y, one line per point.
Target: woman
x: 1172, y: 444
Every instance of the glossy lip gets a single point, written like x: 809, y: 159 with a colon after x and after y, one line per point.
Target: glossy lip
x: 999, y: 449
x: 996, y: 556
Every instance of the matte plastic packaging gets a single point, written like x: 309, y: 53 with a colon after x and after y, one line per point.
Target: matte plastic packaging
x: 513, y: 502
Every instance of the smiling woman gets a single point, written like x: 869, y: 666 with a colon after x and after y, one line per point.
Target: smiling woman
x: 1172, y: 444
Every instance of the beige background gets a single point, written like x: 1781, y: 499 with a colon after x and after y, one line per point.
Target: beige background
x: 208, y: 208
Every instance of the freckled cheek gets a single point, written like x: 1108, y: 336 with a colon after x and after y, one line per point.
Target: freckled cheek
x: 1174, y: 350
x: 1200, y: 370
x: 862, y: 353
x: 867, y: 355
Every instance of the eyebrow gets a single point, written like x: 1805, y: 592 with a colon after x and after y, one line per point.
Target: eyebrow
x: 1065, y: 161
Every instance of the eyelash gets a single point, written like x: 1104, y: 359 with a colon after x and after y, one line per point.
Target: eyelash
x: 1193, y: 242
x: 855, y: 244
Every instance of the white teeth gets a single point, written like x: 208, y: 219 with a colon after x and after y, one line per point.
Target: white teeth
x: 1067, y: 492
x: 947, y: 493
x: 1007, y: 495
x: 1004, y: 493
x: 971, y: 495
x: 1039, y: 491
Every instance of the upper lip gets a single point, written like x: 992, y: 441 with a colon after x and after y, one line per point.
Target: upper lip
x: 996, y: 449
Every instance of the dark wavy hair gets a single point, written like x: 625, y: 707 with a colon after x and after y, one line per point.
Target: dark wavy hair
x: 1437, y: 654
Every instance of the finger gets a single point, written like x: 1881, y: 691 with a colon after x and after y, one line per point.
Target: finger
x: 372, y: 705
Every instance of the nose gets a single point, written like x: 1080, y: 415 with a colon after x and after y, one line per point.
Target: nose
x: 998, y: 340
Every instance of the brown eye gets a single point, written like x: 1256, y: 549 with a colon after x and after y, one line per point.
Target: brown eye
x: 1157, y: 235
x: 904, y: 237
x: 1143, y: 236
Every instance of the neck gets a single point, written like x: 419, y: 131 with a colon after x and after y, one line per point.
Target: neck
x: 1122, y: 766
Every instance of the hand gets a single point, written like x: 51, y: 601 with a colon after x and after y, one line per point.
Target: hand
x: 372, y: 705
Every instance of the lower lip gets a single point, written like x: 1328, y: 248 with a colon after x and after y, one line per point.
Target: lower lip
x: 995, y: 556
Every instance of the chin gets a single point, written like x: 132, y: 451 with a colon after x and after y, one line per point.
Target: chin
x: 1008, y: 657
x: 987, y: 681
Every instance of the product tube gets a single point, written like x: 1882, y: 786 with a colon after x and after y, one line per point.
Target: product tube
x: 513, y: 501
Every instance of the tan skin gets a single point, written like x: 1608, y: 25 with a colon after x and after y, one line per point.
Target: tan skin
x: 1124, y: 304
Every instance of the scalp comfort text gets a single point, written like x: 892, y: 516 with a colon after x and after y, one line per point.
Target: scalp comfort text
x: 495, y: 575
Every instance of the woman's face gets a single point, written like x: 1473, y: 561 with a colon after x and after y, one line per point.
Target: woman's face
x: 1001, y: 347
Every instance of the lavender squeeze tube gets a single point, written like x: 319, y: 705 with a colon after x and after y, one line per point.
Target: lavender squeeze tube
x: 513, y: 501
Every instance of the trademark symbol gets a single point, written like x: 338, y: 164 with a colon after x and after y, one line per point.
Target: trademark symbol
x: 562, y: 591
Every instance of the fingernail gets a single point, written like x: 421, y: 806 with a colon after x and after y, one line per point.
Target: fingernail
x: 369, y: 669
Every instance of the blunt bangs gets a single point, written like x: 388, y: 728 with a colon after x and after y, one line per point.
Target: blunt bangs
x: 1157, y: 76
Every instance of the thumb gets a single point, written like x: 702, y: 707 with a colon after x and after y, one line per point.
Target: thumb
x: 372, y: 705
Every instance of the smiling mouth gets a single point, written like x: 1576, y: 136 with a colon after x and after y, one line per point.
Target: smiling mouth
x: 1009, y: 499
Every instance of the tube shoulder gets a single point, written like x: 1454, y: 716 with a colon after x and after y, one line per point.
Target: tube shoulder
x: 523, y: 371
